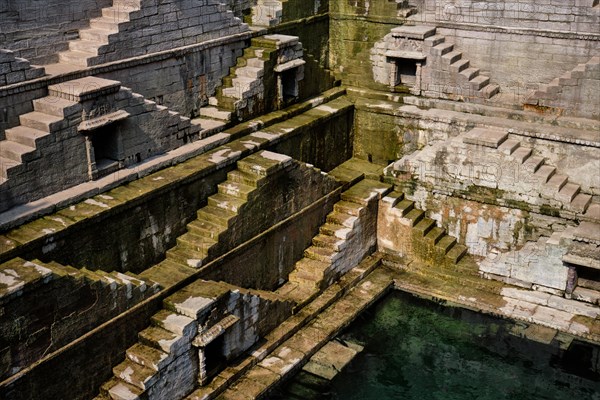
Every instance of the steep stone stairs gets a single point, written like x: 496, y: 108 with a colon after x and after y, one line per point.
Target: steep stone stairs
x: 35, y: 131
x: 430, y: 242
x: 515, y: 165
x: 201, y: 241
x: 163, y: 363
x: 131, y: 28
x: 337, y: 247
x: 447, y: 58
x: 18, y: 276
x: 547, y: 94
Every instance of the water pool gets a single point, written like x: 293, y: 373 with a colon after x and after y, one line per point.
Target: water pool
x: 421, y: 350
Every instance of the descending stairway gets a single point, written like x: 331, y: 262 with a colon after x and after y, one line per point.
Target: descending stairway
x: 211, y: 232
x: 553, y: 90
x: 164, y: 362
x: 446, y: 56
x: 35, y: 131
x: 132, y: 28
x: 340, y: 244
x: 430, y: 242
x: 493, y: 146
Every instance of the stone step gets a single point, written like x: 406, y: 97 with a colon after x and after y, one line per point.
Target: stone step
x: 14, y: 151
x: 95, y: 35
x: 206, y: 229
x: 469, y: 73
x: 255, y: 63
x: 593, y: 211
x: 86, y: 45
x: 135, y: 374
x: 486, y: 137
x: 479, y: 82
x: 441, y: 49
x: 56, y: 106
x: 581, y: 202
x: 434, y: 40
x: 197, y: 243
x: 310, y: 264
x: 216, y: 215
x: 215, y: 113
x: 490, y: 90
x: 161, y: 339
x: 347, y: 207
x: 366, y: 190
x: 186, y: 256
x: 459, y: 65
x: 323, y: 254
x: 178, y: 324
x: 105, y: 23
x: 42, y: 122
x: 339, y: 231
x: 509, y: 146
x: 557, y: 182
x: 250, y: 72
x: 435, y: 235
x: 119, y: 390
x: 456, y: 253
x: 424, y: 226
x: 148, y: 357
x: 118, y: 13
x: 235, y: 189
x: 343, y: 219
x: 264, y: 163
x: 568, y: 192
x: 18, y: 273
x: 227, y: 202
x: 237, y: 176
x: 533, y: 163
x: 415, y: 216
x: 405, y: 206
x: 24, y: 135
x: 446, y: 243
x: 545, y: 172
x: 330, y: 242
x: 73, y: 57
x: 521, y: 154
x: 452, y: 57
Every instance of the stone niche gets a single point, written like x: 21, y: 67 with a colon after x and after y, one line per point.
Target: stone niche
x: 289, y: 69
x: 398, y: 59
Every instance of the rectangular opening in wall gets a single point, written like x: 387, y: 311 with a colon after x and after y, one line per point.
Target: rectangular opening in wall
x: 407, y: 71
x: 105, y: 143
x: 289, y: 85
x: 215, y: 359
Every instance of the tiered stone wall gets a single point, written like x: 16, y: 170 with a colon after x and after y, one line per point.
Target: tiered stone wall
x: 37, y: 30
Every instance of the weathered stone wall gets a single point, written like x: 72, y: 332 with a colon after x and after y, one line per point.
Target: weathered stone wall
x: 37, y: 30
x: 48, y: 314
x: 560, y: 15
x: 14, y: 69
x: 60, y: 159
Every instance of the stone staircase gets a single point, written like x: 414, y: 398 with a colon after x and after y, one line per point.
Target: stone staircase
x: 132, y: 28
x: 35, y: 131
x: 428, y: 241
x: 211, y: 232
x: 554, y: 89
x: 15, y: 69
x: 18, y: 276
x: 340, y: 244
x: 164, y: 362
x: 516, y: 169
x: 243, y: 89
x: 469, y: 80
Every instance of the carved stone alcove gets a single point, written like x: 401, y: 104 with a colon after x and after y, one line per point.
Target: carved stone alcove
x: 288, y: 76
x: 103, y: 143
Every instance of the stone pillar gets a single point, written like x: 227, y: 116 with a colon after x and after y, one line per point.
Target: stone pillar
x: 202, y: 375
x: 91, y: 157
x: 416, y: 89
x: 571, y: 280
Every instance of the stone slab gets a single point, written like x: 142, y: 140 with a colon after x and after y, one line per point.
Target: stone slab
x: 413, y: 32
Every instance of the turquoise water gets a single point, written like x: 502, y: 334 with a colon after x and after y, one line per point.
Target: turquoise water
x: 421, y: 350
